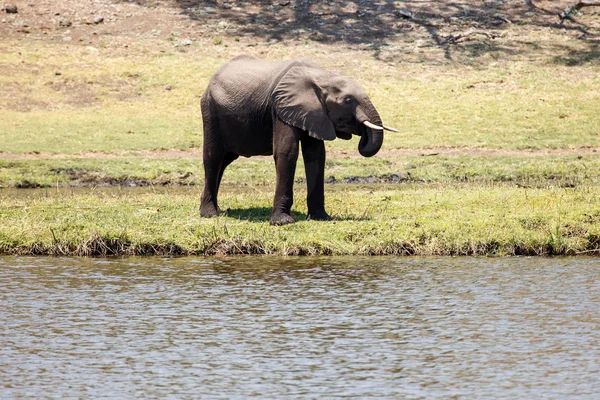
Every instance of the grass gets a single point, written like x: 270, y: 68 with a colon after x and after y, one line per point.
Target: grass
x: 405, y: 220
x: 151, y: 101
x: 73, y: 115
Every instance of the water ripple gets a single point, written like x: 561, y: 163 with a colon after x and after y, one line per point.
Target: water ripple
x: 324, y: 328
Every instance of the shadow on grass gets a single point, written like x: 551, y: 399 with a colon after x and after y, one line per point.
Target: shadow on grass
x: 257, y: 214
x: 572, y: 58
x: 263, y: 214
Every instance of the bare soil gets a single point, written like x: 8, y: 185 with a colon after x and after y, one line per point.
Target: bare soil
x: 372, y: 25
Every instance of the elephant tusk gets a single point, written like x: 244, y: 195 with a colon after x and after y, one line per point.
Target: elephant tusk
x: 372, y: 125
x: 387, y: 128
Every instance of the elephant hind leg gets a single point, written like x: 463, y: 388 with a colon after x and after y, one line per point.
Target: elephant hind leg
x: 212, y: 166
x: 228, y: 159
x: 215, y: 163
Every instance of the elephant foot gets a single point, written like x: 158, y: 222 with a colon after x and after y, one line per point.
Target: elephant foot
x: 281, y: 219
x: 319, y: 216
x: 209, y: 210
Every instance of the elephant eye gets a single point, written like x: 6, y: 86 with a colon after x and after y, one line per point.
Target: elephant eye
x: 348, y: 100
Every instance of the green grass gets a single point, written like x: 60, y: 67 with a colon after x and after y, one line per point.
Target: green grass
x: 114, y: 129
x: 408, y: 220
x: 99, y: 112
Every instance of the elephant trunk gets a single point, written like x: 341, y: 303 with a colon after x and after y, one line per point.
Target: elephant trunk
x: 371, y: 138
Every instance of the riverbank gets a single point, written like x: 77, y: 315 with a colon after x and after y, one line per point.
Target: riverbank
x: 433, y: 219
x: 101, y: 133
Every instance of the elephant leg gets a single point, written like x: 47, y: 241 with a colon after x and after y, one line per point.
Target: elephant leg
x: 213, y: 161
x: 313, y: 152
x: 213, y: 155
x: 228, y: 159
x: 285, y: 152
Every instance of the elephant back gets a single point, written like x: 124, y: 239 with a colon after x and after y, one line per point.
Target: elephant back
x: 245, y: 84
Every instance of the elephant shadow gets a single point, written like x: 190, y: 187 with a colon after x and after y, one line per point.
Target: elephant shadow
x: 257, y: 214
x: 262, y: 214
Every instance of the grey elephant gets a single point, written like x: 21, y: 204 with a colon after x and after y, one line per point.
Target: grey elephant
x: 256, y: 107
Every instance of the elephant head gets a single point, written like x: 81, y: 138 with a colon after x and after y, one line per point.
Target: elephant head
x: 329, y: 105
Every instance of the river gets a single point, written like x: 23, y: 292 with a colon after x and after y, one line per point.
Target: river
x: 300, y: 328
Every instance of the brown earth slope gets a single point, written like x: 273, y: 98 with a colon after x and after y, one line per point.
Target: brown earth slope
x: 439, y: 30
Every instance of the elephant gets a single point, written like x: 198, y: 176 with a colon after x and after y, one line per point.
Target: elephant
x: 257, y: 107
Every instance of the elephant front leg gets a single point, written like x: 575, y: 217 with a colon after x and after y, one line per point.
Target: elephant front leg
x: 285, y: 152
x: 313, y: 152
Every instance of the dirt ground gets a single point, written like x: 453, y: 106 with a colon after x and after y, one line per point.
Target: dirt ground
x: 373, y: 25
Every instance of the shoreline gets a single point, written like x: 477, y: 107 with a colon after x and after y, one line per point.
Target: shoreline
x: 376, y: 220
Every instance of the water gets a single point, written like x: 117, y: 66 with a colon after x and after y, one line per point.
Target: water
x: 300, y: 328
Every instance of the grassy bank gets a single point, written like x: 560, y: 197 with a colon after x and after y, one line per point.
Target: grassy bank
x: 400, y: 220
x: 496, y: 153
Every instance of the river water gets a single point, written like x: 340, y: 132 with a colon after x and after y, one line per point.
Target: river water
x: 300, y: 328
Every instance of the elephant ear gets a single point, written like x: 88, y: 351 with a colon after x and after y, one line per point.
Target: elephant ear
x: 298, y: 100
